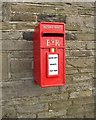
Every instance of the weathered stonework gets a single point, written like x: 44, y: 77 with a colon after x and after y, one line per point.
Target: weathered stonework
x: 21, y: 98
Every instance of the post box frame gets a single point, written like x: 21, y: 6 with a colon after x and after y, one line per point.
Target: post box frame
x: 41, y: 52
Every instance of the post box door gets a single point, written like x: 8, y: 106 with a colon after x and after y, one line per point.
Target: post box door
x: 55, y: 77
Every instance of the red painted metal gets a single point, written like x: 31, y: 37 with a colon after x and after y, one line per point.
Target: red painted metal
x: 49, y: 54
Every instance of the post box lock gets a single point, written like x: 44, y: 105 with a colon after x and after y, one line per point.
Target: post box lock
x: 49, y: 54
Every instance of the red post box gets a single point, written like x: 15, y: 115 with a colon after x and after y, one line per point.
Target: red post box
x: 49, y: 54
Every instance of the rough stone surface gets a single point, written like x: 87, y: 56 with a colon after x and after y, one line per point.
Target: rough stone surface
x: 10, y: 112
x: 21, y: 97
x: 21, y: 88
x: 51, y: 18
x: 32, y: 108
x: 52, y: 114
x: 16, y: 45
x: 23, y: 17
x: 5, y: 66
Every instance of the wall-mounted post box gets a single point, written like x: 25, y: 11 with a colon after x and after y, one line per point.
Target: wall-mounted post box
x: 49, y: 54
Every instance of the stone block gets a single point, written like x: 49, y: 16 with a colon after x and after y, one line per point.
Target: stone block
x: 22, y: 69
x: 0, y: 20
x: 74, y: 20
x: 87, y: 70
x: 27, y: 88
x: 91, y: 45
x: 85, y: 36
x: 0, y: 92
x: 89, y: 115
x: 85, y: 11
x: 60, y: 104
x: 73, y: 110
x: 6, y: 11
x: 69, y: 79
x: 32, y: 109
x: 71, y: 36
x: 21, y: 66
x: 66, y: 9
x: 52, y: 114
x: 80, y: 45
x: 63, y: 89
x: 51, y: 18
x: 85, y: 93
x: 88, y: 29
x: 63, y: 96
x: 27, y: 101
x: 83, y: 77
x: 0, y: 112
x: 79, y: 86
x: 16, y: 45
x: 21, y: 76
x: 71, y: 71
x: 24, y: 26
x: 0, y: 29
x: 6, y: 26
x: 26, y: 115
x: 81, y: 62
x: 9, y: 112
x: 53, y: 97
x: 74, y: 94
x: 81, y: 94
x: 81, y: 23
x: 12, y: 35
x: 89, y: 107
x: 21, y: 54
x: 48, y: 98
x: 80, y: 53
x: 33, y: 8
x: 5, y: 66
x: 0, y: 38
x: 73, y: 27
x: 62, y: 116
x: 0, y: 67
x: 23, y: 17
x: 20, y: 26
x: 75, y: 45
x: 83, y: 100
x: 17, y: 35
x: 84, y: 5
x: 75, y: 116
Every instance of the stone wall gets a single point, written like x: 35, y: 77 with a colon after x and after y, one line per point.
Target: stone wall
x: 21, y: 98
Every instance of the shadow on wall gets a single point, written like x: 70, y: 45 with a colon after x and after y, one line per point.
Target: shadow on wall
x: 29, y: 36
